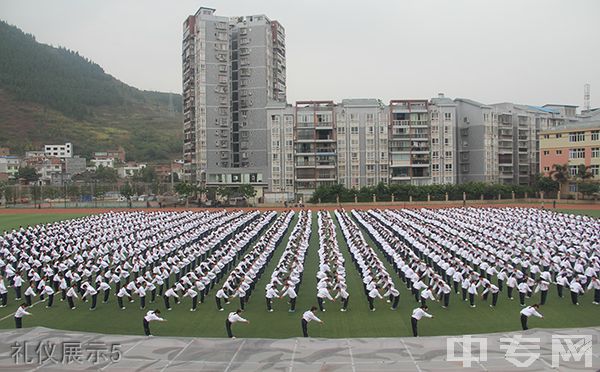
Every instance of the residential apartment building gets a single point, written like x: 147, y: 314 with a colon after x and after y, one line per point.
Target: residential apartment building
x: 281, y: 124
x: 409, y: 142
x: 232, y: 68
x: 444, y: 140
x: 9, y: 166
x: 59, y: 151
x: 499, y: 143
x: 573, y: 145
x: 315, y: 146
x: 362, y: 142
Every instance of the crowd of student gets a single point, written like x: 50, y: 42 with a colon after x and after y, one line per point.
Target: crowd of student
x: 479, y: 252
x: 332, y: 273
x: 474, y: 252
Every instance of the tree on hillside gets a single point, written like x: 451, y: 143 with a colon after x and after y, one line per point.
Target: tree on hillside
x: 28, y: 174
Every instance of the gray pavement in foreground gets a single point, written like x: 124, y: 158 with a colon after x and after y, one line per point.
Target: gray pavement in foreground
x: 88, y: 351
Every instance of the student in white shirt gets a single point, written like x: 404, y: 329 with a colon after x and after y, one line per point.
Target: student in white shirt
x: 345, y: 296
x: 233, y: 317
x: 151, y: 316
x: 322, y: 294
x: 576, y: 290
x: 71, y: 295
x: 291, y: 293
x: 373, y: 293
x: 29, y: 292
x: 494, y: 290
x: 269, y: 295
x: 595, y: 284
x: 170, y: 293
x: 426, y: 294
x: 511, y: 283
x: 527, y: 312
x: 218, y: 296
x: 417, y: 314
x: 307, y: 317
x: 19, y: 315
x: 90, y: 290
x: 50, y: 292
x: 120, y: 294
x: 472, y: 293
x: 542, y: 286
x: 3, y: 292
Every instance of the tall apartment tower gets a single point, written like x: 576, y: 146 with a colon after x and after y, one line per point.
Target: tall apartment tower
x: 409, y: 142
x: 232, y: 68
x: 444, y: 167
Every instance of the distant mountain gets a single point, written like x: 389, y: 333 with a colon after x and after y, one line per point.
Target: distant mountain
x: 53, y: 95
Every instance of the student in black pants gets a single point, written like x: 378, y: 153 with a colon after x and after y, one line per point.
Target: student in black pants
x: 527, y: 312
x: 19, y: 315
x: 150, y: 317
x: 417, y: 314
x: 232, y: 318
x: 307, y: 317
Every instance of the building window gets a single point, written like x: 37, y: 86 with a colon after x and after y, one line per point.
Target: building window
x: 546, y: 152
x: 573, y: 170
x: 595, y: 170
x: 558, y: 152
x: 595, y: 135
x: 558, y: 135
x: 353, y: 130
x: 435, y: 154
x: 448, y: 167
x: 546, y: 169
x: 576, y: 136
x: 448, y: 154
x: 435, y: 167
x: 546, y: 136
x: 576, y: 153
x: 596, y: 152
x: 447, y: 116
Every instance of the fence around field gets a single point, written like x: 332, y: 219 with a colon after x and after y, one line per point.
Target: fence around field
x: 104, y: 196
x: 88, y: 195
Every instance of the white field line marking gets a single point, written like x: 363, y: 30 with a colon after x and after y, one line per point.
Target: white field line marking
x: 235, y: 355
x: 177, y: 356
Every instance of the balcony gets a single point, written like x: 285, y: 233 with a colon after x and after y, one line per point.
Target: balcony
x: 324, y: 125
x: 306, y: 164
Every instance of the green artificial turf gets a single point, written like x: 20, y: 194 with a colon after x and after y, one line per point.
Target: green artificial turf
x: 593, y: 213
x: 14, y: 221
x: 459, y: 318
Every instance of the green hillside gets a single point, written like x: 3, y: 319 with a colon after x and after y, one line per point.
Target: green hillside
x: 54, y: 95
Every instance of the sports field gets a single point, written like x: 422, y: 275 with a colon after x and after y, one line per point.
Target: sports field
x: 358, y: 321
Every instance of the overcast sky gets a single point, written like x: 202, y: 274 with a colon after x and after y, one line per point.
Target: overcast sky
x: 521, y: 51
